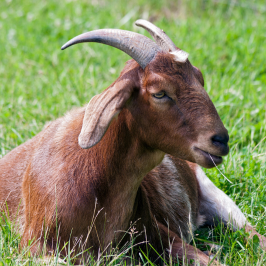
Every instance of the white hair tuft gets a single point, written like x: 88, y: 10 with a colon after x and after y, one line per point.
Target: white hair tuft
x: 180, y: 56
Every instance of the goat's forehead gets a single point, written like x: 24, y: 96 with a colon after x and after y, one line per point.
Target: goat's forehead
x: 165, y: 66
x: 166, y: 72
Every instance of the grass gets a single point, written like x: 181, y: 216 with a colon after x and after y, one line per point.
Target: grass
x: 225, y: 39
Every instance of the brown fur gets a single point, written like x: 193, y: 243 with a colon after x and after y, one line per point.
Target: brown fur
x: 173, y: 196
x: 64, y: 187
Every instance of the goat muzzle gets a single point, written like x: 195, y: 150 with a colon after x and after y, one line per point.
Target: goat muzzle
x: 208, y: 152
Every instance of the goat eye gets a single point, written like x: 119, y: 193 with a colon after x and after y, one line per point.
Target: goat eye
x: 159, y: 95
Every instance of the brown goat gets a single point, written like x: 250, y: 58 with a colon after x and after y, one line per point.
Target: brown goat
x: 157, y: 105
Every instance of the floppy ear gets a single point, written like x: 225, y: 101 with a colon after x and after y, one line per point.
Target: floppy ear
x: 101, y: 110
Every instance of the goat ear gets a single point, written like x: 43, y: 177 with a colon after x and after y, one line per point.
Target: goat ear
x: 101, y: 110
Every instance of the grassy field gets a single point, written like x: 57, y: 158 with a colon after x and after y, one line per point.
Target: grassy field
x: 225, y: 39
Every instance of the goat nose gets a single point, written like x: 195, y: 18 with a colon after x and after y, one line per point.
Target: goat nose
x: 221, y: 141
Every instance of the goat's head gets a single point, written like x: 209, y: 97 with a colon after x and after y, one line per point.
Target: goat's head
x: 163, y: 95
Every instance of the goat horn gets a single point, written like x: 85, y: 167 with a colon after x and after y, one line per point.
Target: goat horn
x: 158, y: 35
x: 139, y: 47
x: 163, y: 40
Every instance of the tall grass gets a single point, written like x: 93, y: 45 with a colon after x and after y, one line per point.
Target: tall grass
x: 225, y: 39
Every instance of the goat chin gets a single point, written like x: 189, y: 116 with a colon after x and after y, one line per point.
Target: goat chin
x: 89, y: 175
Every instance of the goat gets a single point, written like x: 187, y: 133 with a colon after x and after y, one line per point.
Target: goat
x: 94, y: 159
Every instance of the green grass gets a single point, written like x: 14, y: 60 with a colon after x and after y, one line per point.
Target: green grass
x: 225, y: 39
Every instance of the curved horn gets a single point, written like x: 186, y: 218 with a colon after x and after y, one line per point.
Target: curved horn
x: 139, y: 47
x: 158, y: 35
x: 163, y: 40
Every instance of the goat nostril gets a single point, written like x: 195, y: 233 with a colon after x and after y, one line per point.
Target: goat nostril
x: 220, y: 139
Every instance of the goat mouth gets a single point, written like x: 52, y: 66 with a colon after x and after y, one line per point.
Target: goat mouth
x: 211, y: 159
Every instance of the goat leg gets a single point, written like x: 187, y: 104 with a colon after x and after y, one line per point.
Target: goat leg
x: 215, y: 205
x: 186, y: 253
